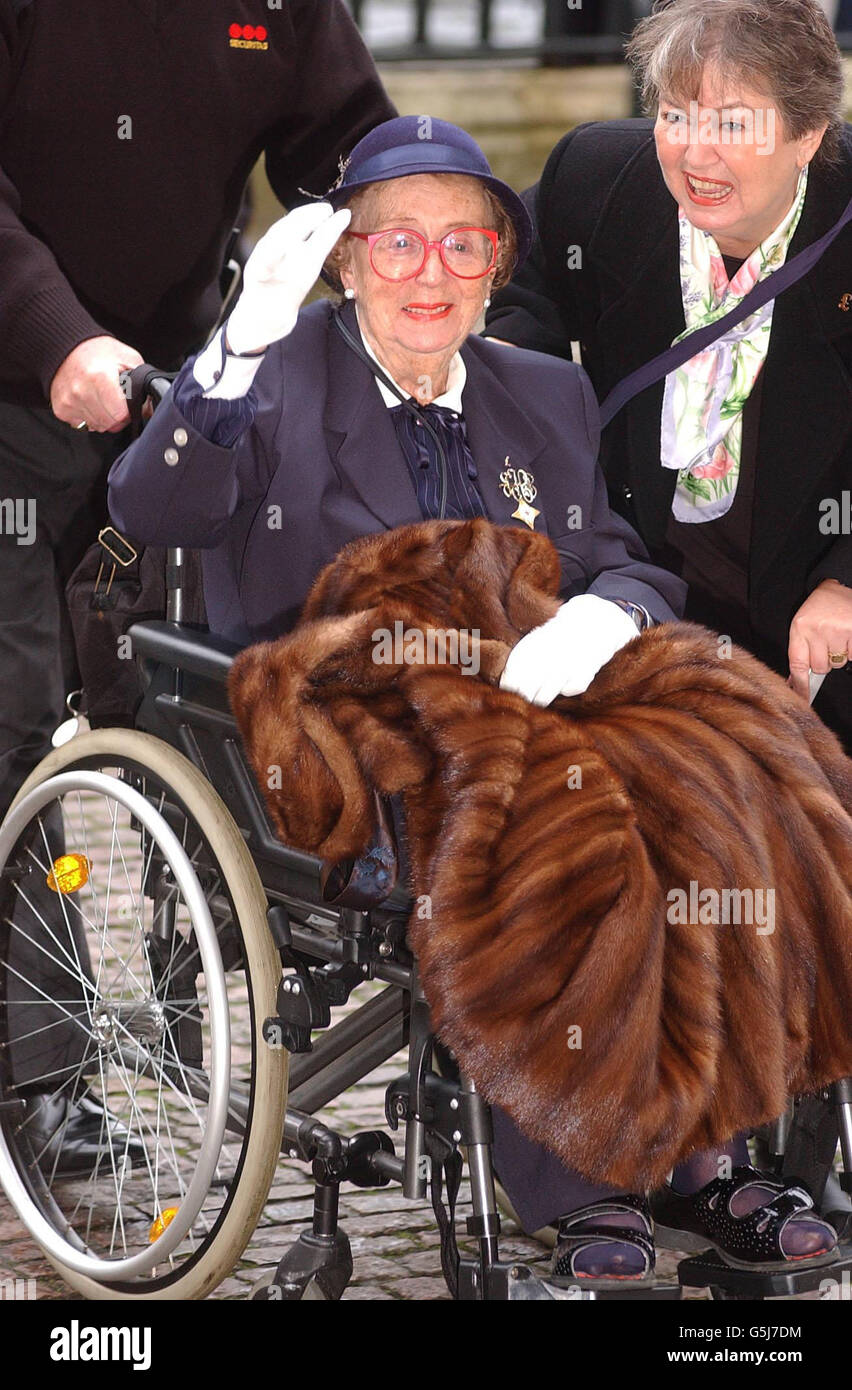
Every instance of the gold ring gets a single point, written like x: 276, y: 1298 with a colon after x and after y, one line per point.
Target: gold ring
x: 837, y: 658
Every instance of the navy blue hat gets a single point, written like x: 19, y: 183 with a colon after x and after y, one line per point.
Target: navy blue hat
x: 426, y: 145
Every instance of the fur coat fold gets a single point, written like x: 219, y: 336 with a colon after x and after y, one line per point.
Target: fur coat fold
x: 640, y: 939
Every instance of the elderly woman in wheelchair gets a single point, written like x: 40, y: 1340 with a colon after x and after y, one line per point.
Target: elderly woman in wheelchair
x: 295, y: 431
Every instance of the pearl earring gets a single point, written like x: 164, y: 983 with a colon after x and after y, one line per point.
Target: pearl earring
x: 349, y: 293
x: 486, y: 303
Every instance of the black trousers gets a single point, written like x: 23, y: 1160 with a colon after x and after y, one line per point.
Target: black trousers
x: 52, y: 504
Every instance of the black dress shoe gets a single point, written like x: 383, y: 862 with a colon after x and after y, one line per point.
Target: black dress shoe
x: 68, y: 1137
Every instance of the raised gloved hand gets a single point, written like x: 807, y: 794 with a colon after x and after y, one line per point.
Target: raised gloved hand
x: 563, y: 656
x: 280, y: 271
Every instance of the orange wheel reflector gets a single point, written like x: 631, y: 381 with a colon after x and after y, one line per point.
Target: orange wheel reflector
x: 69, y: 872
x: 158, y: 1226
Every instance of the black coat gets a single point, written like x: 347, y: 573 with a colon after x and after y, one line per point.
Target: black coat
x: 602, y: 201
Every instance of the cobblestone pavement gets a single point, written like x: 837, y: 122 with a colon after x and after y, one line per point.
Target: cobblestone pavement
x: 394, y: 1242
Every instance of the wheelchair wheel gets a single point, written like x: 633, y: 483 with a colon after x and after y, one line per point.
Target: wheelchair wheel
x: 124, y: 878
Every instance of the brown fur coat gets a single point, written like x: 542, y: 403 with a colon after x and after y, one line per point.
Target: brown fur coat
x: 615, y: 1028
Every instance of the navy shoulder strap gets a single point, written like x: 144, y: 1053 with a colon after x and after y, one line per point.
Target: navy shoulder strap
x: 674, y: 357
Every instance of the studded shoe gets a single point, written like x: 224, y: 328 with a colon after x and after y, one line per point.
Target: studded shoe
x: 751, y: 1241
x: 580, y: 1232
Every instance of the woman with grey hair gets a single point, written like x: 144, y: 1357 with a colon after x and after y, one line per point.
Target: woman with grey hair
x: 736, y: 468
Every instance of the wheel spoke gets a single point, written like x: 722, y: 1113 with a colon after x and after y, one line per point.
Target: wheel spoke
x: 62, y: 903
x: 31, y: 984
x: 82, y: 978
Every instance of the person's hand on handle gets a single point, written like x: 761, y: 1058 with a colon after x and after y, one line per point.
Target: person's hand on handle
x: 563, y: 656
x: 86, y: 389
x: 280, y: 271
x: 820, y: 633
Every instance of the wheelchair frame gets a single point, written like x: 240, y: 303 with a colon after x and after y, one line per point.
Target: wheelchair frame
x: 326, y: 952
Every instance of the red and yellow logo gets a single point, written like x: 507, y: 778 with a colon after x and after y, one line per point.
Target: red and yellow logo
x: 247, y: 36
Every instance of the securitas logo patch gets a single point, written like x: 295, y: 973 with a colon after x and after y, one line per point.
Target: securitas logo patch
x: 247, y: 36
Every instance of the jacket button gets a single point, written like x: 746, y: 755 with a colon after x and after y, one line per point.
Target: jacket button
x: 626, y: 492
x: 171, y: 456
x: 180, y: 436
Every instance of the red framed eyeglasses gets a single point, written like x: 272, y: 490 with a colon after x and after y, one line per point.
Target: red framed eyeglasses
x: 400, y: 253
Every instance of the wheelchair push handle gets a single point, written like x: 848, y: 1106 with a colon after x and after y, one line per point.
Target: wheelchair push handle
x: 145, y: 383
x: 141, y: 385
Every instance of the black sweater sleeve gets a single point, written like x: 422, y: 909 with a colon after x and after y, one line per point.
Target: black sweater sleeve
x: 340, y: 98
x: 41, y: 319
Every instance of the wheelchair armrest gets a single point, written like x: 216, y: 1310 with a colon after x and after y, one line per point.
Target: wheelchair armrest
x: 185, y: 648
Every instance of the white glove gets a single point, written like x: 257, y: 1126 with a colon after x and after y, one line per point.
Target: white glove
x: 280, y: 271
x: 563, y: 656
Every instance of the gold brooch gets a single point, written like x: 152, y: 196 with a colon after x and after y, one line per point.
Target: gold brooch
x: 518, y: 484
x: 845, y: 302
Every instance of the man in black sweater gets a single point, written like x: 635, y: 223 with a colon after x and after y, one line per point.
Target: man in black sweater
x: 128, y: 130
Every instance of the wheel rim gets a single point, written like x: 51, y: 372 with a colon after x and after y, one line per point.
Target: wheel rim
x: 132, y: 1026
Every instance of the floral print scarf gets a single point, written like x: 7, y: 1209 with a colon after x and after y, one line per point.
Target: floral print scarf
x: 704, y: 399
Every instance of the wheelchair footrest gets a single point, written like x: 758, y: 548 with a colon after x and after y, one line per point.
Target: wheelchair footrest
x: 709, y: 1271
x: 518, y: 1283
x: 667, y: 1292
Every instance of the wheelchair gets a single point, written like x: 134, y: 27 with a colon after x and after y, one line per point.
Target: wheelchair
x: 203, y: 963
x: 214, y: 962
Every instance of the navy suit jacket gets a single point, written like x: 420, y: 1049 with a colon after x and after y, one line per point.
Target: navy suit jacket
x: 321, y: 465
